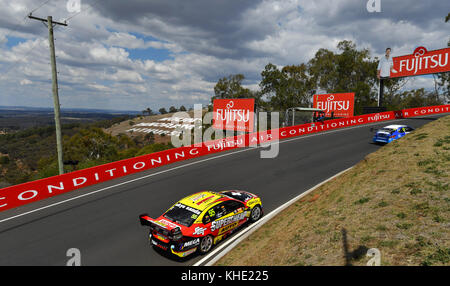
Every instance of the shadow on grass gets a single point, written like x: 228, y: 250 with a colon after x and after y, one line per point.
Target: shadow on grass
x: 356, y: 254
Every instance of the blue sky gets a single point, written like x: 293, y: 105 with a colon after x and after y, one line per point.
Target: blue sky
x: 157, y: 55
x: 136, y: 54
x: 14, y: 41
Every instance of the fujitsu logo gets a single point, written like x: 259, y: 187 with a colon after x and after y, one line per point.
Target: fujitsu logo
x: 376, y: 117
x: 231, y: 115
x: 333, y: 105
x: 421, y: 61
x: 379, y: 116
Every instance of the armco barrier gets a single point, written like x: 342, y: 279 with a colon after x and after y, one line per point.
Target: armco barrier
x: 26, y: 193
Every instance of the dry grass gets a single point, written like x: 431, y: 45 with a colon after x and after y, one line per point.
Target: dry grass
x: 396, y: 199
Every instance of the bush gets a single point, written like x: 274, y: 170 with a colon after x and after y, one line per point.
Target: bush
x: 48, y: 170
x: 361, y: 201
x: 4, y: 160
x: 152, y: 148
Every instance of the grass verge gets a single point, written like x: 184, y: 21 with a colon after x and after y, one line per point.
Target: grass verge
x: 396, y: 199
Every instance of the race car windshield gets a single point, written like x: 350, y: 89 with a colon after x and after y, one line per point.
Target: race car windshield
x: 182, y: 214
x: 387, y: 130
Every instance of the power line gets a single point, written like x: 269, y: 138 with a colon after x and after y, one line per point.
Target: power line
x: 26, y: 17
x: 34, y: 10
x: 8, y: 69
x: 14, y: 29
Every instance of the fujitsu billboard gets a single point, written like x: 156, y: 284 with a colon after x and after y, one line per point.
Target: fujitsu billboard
x: 342, y: 104
x: 421, y: 62
x: 234, y: 114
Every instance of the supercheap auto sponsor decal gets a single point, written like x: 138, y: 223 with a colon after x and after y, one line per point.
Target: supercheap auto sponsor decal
x: 22, y: 194
x: 226, y: 221
x: 228, y: 227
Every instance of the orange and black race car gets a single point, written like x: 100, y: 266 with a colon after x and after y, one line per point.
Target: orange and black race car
x: 199, y: 221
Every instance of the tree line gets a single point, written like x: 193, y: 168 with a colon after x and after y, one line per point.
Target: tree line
x: 30, y: 154
x: 347, y: 70
x: 163, y: 110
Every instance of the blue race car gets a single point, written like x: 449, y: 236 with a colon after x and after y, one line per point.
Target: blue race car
x: 390, y: 133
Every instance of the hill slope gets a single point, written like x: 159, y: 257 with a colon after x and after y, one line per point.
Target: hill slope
x: 397, y: 200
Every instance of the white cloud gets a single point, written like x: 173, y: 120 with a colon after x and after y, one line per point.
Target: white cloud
x: 25, y: 82
x: 206, y: 40
x: 124, y: 76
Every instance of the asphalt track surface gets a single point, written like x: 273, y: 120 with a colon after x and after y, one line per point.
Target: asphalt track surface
x: 104, y: 225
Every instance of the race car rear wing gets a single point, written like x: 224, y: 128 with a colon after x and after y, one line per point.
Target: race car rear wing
x: 173, y: 234
x: 146, y: 220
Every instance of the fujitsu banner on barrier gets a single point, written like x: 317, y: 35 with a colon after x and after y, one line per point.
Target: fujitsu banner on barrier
x: 26, y: 193
x: 342, y: 104
x: 421, y: 62
x: 234, y: 114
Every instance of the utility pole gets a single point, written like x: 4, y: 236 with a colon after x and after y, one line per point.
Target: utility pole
x: 381, y: 92
x: 50, y: 25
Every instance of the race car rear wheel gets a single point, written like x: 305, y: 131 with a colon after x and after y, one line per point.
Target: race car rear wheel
x: 206, y: 244
x: 255, y: 214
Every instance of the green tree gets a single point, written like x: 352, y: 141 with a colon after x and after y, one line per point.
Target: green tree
x: 153, y: 148
x: 182, y: 108
x: 173, y: 109
x: 417, y: 98
x: 291, y: 86
x: 162, y: 110
x: 350, y: 70
x: 231, y: 87
x: 149, y: 111
x: 91, y: 144
x: 150, y: 137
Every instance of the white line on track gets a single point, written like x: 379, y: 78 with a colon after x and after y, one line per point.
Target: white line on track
x: 233, y: 241
x: 200, y: 161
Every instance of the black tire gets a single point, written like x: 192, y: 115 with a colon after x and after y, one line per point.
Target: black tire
x: 206, y: 243
x: 256, y: 213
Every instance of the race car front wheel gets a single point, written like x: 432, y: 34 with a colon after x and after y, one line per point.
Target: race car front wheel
x: 206, y: 244
x: 255, y: 214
